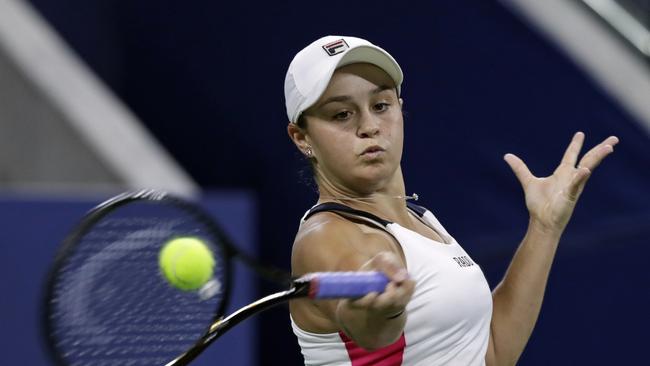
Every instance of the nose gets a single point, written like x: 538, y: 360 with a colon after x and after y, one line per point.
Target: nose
x: 368, y: 125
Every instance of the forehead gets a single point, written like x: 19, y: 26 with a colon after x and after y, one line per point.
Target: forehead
x: 356, y: 77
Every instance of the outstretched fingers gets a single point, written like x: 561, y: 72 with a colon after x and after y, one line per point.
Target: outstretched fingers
x: 588, y: 163
x: 518, y: 167
x: 551, y: 199
x: 596, y: 155
x: 573, y: 150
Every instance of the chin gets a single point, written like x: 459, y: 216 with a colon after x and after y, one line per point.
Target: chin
x: 373, y: 179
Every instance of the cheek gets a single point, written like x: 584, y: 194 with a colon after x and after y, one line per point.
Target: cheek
x: 339, y: 150
x: 334, y: 148
x: 396, y: 131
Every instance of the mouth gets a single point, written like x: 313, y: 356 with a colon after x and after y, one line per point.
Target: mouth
x: 373, y: 151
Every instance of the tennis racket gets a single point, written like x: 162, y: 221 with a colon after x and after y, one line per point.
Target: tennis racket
x: 106, y: 302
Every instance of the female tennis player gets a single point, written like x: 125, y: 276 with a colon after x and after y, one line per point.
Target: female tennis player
x: 345, y: 112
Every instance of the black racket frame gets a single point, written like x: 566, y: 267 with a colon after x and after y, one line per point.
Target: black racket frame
x: 220, y: 325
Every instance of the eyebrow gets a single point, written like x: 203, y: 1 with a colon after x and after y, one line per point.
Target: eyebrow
x: 345, y: 98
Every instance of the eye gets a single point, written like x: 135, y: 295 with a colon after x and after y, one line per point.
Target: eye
x: 380, y: 107
x: 341, y: 116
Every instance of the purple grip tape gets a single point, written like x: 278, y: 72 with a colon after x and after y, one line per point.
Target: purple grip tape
x: 332, y: 285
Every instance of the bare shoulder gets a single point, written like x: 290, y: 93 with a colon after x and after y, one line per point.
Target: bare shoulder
x: 329, y: 242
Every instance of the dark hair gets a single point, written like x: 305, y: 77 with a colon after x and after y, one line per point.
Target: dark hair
x: 306, y: 174
x: 302, y: 121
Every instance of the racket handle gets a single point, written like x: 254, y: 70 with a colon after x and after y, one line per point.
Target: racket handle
x: 332, y: 285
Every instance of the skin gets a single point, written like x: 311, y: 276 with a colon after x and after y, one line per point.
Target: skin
x: 359, y: 109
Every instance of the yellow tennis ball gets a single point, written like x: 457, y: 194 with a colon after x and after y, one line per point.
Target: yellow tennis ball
x: 186, y: 262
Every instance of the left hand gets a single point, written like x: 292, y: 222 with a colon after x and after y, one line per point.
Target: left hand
x: 551, y: 200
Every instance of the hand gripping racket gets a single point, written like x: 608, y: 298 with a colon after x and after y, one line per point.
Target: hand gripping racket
x: 106, y: 302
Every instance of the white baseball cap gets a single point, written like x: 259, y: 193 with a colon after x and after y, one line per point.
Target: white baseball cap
x: 312, y: 67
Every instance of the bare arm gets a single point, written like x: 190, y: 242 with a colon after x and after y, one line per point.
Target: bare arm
x: 550, y: 202
x: 333, y: 244
x: 378, y: 320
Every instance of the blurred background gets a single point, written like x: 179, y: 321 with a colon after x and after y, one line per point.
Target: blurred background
x: 97, y: 97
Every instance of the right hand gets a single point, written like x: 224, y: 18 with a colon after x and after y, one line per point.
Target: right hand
x: 395, y: 297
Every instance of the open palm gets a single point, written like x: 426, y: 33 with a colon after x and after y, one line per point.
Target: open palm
x: 551, y: 200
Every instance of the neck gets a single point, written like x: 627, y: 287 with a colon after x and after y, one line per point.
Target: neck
x: 366, y: 199
x: 387, y: 201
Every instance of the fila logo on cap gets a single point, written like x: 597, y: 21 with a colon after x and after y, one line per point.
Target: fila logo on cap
x: 336, y: 47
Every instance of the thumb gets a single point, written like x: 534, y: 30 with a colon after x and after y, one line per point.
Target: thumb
x: 390, y: 264
x: 519, y: 168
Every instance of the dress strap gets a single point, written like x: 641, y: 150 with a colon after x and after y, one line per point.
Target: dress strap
x: 418, y: 210
x: 347, y: 212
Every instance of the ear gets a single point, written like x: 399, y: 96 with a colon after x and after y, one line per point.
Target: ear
x: 401, y: 103
x: 299, y: 137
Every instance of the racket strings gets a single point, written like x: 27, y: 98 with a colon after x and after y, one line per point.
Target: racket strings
x: 110, y: 303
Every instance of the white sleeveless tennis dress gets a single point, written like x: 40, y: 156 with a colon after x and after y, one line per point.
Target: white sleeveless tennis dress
x: 448, y: 317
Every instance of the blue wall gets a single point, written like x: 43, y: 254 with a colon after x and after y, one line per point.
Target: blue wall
x: 207, y: 79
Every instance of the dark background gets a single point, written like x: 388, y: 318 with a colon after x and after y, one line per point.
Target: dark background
x: 207, y: 77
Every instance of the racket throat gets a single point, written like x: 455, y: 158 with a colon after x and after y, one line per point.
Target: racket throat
x: 262, y: 304
x: 222, y: 325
